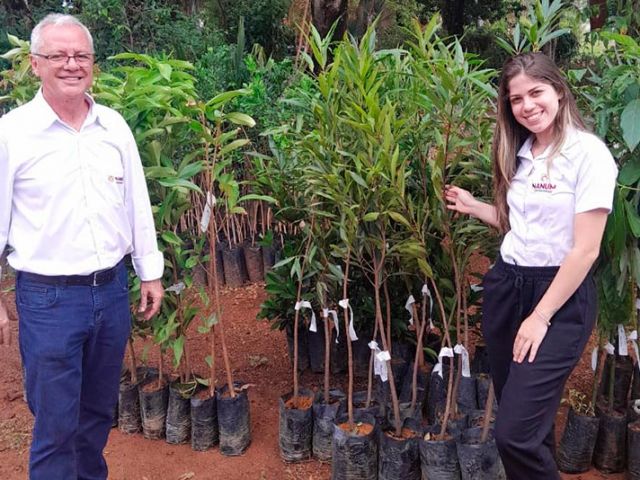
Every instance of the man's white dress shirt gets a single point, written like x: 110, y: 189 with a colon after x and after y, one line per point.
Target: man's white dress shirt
x: 73, y: 202
x: 544, y: 199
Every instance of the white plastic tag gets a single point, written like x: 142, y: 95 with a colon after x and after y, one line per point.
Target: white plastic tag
x: 409, y: 308
x: 313, y: 327
x: 622, y: 341
x: 444, y: 352
x: 176, y: 288
x: 460, y: 350
x: 344, y: 303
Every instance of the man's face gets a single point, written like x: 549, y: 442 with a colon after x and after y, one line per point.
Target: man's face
x: 69, y: 80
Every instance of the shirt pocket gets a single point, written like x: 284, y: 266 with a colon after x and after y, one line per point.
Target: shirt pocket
x: 108, y: 174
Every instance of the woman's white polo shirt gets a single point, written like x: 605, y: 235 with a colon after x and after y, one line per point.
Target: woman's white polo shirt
x: 544, y: 198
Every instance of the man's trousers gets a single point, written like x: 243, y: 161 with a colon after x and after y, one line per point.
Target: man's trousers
x: 529, y: 394
x: 72, y: 341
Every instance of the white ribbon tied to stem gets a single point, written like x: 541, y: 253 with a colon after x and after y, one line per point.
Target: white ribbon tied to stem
x: 325, y: 314
x: 460, y: 350
x: 313, y: 327
x: 444, y: 352
x: 344, y: 303
x: 609, y: 348
x: 427, y: 292
x: 622, y: 341
x: 206, y: 212
x: 594, y: 355
x: 380, y: 359
x: 409, y: 308
x: 633, y: 338
x: 176, y: 288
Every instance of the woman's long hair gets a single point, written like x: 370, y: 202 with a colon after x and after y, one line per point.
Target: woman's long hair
x: 510, y: 135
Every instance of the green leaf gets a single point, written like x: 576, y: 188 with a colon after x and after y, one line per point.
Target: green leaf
x: 165, y: 70
x: 241, y: 119
x: 399, y: 218
x: 234, y: 145
x: 209, y: 360
x: 171, y: 237
x: 371, y: 216
x: 630, y: 124
x: 633, y: 219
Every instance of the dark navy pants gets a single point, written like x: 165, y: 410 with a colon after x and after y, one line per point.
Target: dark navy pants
x: 72, y: 341
x: 529, y: 393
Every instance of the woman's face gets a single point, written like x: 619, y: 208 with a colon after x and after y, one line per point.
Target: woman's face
x: 534, y: 105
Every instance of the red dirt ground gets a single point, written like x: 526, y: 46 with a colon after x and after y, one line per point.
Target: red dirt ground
x: 259, y: 357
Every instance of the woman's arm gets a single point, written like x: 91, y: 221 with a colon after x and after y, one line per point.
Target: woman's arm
x: 462, y: 201
x: 588, y: 231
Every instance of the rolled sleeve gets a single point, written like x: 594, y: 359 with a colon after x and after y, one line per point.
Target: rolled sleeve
x: 596, y: 179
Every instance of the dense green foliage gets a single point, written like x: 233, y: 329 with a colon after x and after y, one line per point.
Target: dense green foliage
x: 349, y: 145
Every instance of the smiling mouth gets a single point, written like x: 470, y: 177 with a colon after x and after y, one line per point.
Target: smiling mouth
x: 534, y: 117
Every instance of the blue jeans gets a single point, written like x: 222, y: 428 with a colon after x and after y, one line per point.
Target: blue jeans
x: 72, y: 341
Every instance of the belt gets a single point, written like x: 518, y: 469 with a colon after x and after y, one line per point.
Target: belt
x: 94, y: 279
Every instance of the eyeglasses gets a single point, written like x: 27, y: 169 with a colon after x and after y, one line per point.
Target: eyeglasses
x: 62, y: 59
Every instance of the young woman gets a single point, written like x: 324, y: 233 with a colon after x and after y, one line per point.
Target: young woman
x: 553, y: 189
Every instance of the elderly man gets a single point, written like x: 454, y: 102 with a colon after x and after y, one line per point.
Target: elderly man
x: 73, y: 204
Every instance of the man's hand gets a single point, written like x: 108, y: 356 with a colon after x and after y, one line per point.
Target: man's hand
x: 5, y: 332
x: 151, y: 294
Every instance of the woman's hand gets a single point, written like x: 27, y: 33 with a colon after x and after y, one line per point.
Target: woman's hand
x: 460, y: 200
x: 532, y: 331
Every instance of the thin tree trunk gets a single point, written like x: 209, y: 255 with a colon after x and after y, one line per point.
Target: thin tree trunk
x: 134, y: 363
x: 347, y: 338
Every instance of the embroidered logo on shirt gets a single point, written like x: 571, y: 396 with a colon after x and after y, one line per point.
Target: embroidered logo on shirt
x: 116, y: 179
x: 544, y: 185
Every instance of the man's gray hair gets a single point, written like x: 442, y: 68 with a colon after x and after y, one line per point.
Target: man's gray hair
x: 56, y: 19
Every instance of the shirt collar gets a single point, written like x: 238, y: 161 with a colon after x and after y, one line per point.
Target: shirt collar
x: 569, y: 142
x: 45, y: 115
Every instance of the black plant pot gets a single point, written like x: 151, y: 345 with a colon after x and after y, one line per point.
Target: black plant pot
x: 374, y: 408
x: 622, y: 379
x: 467, y: 394
x: 422, y: 383
x: 234, y: 421
x: 575, y: 449
x: 633, y: 450
x: 296, y: 426
x: 129, y: 420
x: 479, y: 460
x: 483, y: 383
x: 324, y: 416
x: 235, y: 270
x: 399, y: 458
x: 610, y: 451
x: 303, y: 345
x: 339, y: 352
x: 154, y: 399
x: 204, y: 422
x: 476, y: 418
x: 355, y: 456
x: 437, y: 395
x: 316, y: 348
x: 253, y: 262
x: 361, y: 355
x: 268, y: 258
x: 178, y: 415
x: 480, y: 360
x: 439, y: 458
